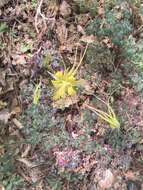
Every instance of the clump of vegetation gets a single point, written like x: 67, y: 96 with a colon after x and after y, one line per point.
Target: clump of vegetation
x: 86, y: 6
x: 37, y: 94
x: 100, y: 58
x: 116, y: 23
x: 109, y: 117
x: 132, y: 50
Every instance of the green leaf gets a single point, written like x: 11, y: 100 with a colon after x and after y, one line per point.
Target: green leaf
x: 4, y: 27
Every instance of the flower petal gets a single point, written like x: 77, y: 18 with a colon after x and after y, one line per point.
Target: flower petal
x: 60, y: 93
x: 71, y: 91
x: 56, y: 83
x: 64, y: 83
x: 59, y: 75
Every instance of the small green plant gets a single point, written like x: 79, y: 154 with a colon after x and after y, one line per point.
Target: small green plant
x: 133, y: 51
x: 137, y: 81
x: 109, y: 116
x: 3, y: 27
x: 34, y: 3
x: 2, y: 46
x: 37, y: 94
x: 25, y: 48
x: 47, y: 58
x: 14, y: 182
x: 87, y: 6
x: 100, y: 58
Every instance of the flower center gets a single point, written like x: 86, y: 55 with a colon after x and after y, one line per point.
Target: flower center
x: 65, y: 83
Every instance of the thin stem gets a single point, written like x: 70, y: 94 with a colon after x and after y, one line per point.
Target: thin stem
x: 75, y: 59
x: 81, y: 59
x: 52, y: 75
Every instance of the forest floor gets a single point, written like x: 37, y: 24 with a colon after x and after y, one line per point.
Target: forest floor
x: 61, y: 144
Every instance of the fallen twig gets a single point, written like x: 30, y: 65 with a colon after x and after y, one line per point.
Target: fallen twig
x: 44, y: 18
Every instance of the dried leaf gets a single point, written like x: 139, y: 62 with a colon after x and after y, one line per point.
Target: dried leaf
x: 65, y: 9
x: 1, y: 151
x: 80, y: 29
x: 4, y: 116
x: 88, y: 39
x: 62, y: 32
x: 17, y: 123
x: 66, y: 102
x: 19, y: 59
x: 3, y: 2
x: 87, y: 87
x: 101, y: 11
x: 16, y: 110
x: 2, y: 78
x: 26, y: 151
x: 108, y: 42
x: 26, y: 162
x: 130, y: 174
x: 2, y: 187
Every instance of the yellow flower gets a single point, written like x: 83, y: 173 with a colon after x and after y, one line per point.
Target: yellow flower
x: 65, y: 84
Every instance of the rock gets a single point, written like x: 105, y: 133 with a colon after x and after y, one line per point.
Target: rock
x: 107, y: 181
x: 133, y: 185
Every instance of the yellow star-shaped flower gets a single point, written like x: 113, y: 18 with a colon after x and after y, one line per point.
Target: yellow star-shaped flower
x: 65, y: 81
x: 65, y: 84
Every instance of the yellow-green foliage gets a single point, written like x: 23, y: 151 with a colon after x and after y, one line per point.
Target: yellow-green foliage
x: 37, y: 94
x: 109, y: 116
x: 46, y: 59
